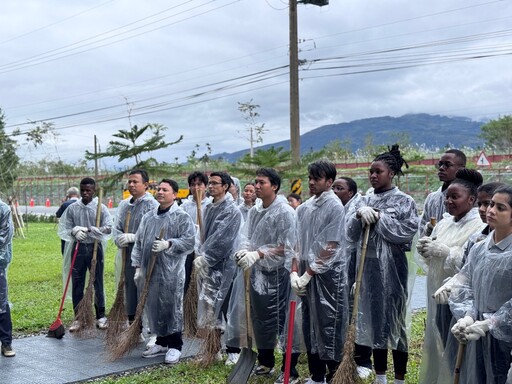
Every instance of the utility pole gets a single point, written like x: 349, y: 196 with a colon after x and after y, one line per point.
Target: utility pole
x: 95, y: 159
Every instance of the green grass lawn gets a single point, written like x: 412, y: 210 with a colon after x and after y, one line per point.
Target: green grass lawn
x: 35, y: 290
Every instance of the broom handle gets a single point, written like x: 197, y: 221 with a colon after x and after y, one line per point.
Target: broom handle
x: 68, y: 279
x: 123, y: 250
x: 458, y: 363
x: 199, y: 199
x: 289, y: 342
x: 149, y: 272
x: 355, y: 308
x: 247, y: 281
x: 98, y: 223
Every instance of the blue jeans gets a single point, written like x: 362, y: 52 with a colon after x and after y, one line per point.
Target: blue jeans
x: 5, y: 311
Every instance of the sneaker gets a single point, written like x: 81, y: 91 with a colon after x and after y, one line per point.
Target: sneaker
x: 311, y: 381
x: 261, y: 370
x: 363, y: 372
x: 155, y: 350
x: 232, y: 358
x: 75, y: 326
x: 102, y: 323
x: 172, y: 356
x: 151, y: 342
x: 293, y: 379
x: 7, y: 350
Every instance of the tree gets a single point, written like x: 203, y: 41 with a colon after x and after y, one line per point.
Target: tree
x: 498, y: 133
x: 254, y: 131
x: 9, y: 160
x: 269, y: 158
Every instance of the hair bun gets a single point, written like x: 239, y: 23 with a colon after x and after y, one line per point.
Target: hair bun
x: 470, y: 175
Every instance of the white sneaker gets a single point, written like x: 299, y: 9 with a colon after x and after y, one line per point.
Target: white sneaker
x: 311, y: 381
x: 172, y: 356
x: 363, y: 372
x: 102, y: 323
x: 155, y: 350
x: 232, y: 358
x: 75, y: 326
x: 151, y: 342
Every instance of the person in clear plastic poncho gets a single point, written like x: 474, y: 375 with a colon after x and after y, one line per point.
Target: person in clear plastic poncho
x: 451, y: 161
x: 381, y: 323
x: 214, y: 256
x: 320, y: 273
x: 137, y: 205
x: 249, y: 197
x: 78, y: 224
x: 482, y: 302
x: 167, y: 234
x: 6, y: 234
x: 441, y: 256
x: 268, y: 244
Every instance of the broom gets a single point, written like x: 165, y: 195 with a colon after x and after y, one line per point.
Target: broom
x: 57, y: 329
x: 191, y: 297
x: 84, y: 311
x: 347, y: 370
x: 117, y: 316
x: 130, y: 337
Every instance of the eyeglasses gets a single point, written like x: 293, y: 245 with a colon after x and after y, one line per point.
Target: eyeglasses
x: 214, y: 183
x: 446, y: 164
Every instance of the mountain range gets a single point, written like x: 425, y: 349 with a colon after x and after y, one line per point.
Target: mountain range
x: 432, y: 131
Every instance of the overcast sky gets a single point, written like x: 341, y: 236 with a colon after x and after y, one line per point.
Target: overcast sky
x: 186, y: 64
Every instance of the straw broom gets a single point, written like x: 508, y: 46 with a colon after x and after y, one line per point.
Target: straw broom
x: 192, y: 296
x: 347, y: 370
x: 117, y: 316
x: 129, y: 339
x: 84, y: 311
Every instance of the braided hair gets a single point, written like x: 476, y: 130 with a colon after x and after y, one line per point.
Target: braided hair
x: 393, y: 159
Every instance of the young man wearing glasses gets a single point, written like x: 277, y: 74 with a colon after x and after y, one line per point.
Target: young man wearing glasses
x: 451, y: 161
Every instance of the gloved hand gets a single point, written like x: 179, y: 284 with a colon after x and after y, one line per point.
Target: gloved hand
x: 81, y: 235
x: 420, y: 245
x: 294, y: 282
x: 435, y: 249
x: 304, y: 280
x: 427, y: 229
x: 95, y: 231
x: 459, y: 329
x: 124, y: 239
x: 353, y: 289
x: 201, y: 266
x: 137, y: 277
x: 478, y: 329
x: 442, y: 295
x: 248, y: 259
x: 160, y: 245
x: 239, y: 254
x: 78, y: 228
x: 368, y: 215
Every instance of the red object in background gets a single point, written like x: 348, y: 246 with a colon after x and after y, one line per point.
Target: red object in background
x: 110, y: 204
x: 31, y: 202
x: 47, y: 202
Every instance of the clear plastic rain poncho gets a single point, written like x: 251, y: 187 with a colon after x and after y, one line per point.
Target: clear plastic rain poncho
x: 83, y: 215
x: 486, y: 293
x: 433, y: 207
x: 137, y: 209
x: 222, y: 222
x: 383, y: 301
x: 6, y: 233
x: 454, y: 234
x: 322, y: 248
x: 272, y: 231
x: 190, y: 206
x: 164, y: 305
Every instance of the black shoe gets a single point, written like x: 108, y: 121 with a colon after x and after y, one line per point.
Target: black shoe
x: 7, y: 350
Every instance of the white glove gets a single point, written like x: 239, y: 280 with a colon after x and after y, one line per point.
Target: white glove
x: 304, y: 280
x: 137, y: 277
x: 124, y: 239
x: 201, y: 266
x: 435, y: 249
x: 248, y: 259
x: 78, y: 228
x: 81, y: 235
x: 353, y: 289
x: 478, y: 329
x: 427, y: 229
x: 160, y: 245
x: 239, y: 254
x: 368, y: 215
x: 420, y: 245
x: 95, y: 231
x: 459, y: 329
x: 294, y: 282
x: 442, y: 295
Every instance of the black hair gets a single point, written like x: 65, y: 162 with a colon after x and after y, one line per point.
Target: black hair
x: 174, y: 185
x: 352, y: 185
x: 507, y: 190
x: 88, y: 181
x: 224, y: 178
x: 272, y: 175
x: 393, y: 159
x: 469, y: 179
x: 249, y: 183
x: 142, y: 173
x: 322, y: 168
x: 489, y: 188
x: 458, y: 154
x: 295, y: 196
x: 197, y: 175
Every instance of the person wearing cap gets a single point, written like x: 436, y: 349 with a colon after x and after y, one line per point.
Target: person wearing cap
x: 72, y: 195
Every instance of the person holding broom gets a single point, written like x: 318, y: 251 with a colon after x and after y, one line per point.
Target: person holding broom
x: 319, y: 273
x: 394, y: 221
x: 6, y: 234
x: 132, y: 208
x: 77, y: 224
x: 164, y: 303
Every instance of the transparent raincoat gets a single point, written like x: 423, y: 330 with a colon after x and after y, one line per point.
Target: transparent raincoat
x: 6, y: 233
x: 486, y: 293
x: 222, y: 222
x: 438, y: 269
x: 164, y: 305
x: 190, y: 206
x: 433, y: 207
x: 383, y: 303
x: 322, y: 248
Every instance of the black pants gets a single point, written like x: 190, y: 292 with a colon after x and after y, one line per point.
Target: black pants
x: 293, y: 364
x: 380, y: 359
x: 131, y: 293
x: 173, y: 340
x: 188, y: 271
x: 6, y: 326
x: 363, y: 356
x: 82, y: 264
x: 443, y: 320
x: 318, y: 368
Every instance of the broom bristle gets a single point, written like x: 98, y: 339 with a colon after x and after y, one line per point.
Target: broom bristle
x: 190, y: 307
x: 347, y: 370
x: 127, y: 341
x: 116, y: 319
x: 211, y: 346
x: 85, y: 315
